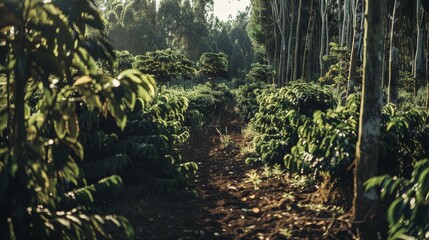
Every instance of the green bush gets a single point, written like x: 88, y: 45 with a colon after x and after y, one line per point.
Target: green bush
x: 298, y: 127
x: 281, y: 112
x: 260, y: 72
x: 338, y: 61
x: 408, y: 213
x: 213, y: 65
x: 208, y: 99
x: 326, y: 142
x: 246, y: 98
x: 144, y: 153
x: 43, y: 192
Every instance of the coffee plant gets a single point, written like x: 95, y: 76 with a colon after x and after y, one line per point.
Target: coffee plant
x: 165, y: 65
x: 144, y: 153
x: 246, y: 98
x: 213, y: 65
x: 47, y: 80
x: 326, y: 142
x: 300, y: 128
x: 280, y: 113
x: 408, y: 213
x: 338, y: 61
x: 207, y: 99
x: 260, y: 72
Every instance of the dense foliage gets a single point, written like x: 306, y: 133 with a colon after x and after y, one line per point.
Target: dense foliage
x: 82, y: 124
x: 144, y: 153
x: 302, y: 128
x: 188, y: 27
x: 206, y: 102
x: 213, y: 65
x: 409, y: 211
x: 165, y: 65
x: 47, y: 81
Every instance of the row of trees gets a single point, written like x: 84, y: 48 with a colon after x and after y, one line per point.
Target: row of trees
x: 291, y: 33
x: 140, y: 26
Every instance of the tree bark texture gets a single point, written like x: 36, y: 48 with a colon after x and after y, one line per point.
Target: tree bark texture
x: 367, y: 149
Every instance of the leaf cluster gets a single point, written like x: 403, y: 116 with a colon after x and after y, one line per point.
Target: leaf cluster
x: 408, y: 212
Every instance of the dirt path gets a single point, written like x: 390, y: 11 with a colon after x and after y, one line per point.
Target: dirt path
x: 229, y: 206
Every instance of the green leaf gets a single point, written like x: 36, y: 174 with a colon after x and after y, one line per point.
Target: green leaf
x: 395, y: 210
x: 423, y: 191
x: 60, y: 127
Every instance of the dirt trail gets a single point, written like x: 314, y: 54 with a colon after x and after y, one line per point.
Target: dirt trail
x: 229, y: 207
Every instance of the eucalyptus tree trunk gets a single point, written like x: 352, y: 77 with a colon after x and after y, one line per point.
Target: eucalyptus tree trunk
x: 345, y: 25
x: 367, y: 148
x: 284, y: 13
x: 291, y: 23
x: 339, y: 20
x: 275, y: 62
x: 308, y: 42
x: 355, y: 46
x: 427, y: 64
x: 323, y: 34
x: 297, y: 40
x: 394, y: 51
x: 279, y: 10
x: 418, y: 60
x: 386, y: 51
x: 264, y: 4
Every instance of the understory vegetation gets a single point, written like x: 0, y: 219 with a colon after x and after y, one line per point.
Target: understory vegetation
x: 306, y: 131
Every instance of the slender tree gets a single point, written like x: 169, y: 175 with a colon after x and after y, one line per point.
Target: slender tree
x: 394, y: 51
x: 357, y: 41
x: 345, y: 25
x: 324, y: 34
x: 427, y: 60
x: 291, y: 24
x: 308, y: 43
x: 297, y: 40
x: 367, y: 149
x: 418, y: 60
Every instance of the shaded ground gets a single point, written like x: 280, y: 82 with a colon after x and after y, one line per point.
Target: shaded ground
x: 229, y: 207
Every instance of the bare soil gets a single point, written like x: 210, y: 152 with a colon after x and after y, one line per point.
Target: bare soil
x: 229, y: 207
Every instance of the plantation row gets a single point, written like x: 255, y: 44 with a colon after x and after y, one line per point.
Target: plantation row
x: 303, y: 128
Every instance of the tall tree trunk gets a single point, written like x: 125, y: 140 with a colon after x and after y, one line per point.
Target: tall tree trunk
x: 418, y: 60
x: 345, y: 26
x: 339, y: 20
x: 279, y: 17
x: 427, y: 64
x: 323, y: 40
x: 355, y: 47
x: 284, y: 13
x: 291, y: 24
x: 394, y: 52
x: 297, y: 41
x: 305, y: 74
x: 367, y: 148
x: 386, y: 55
x: 276, y: 45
